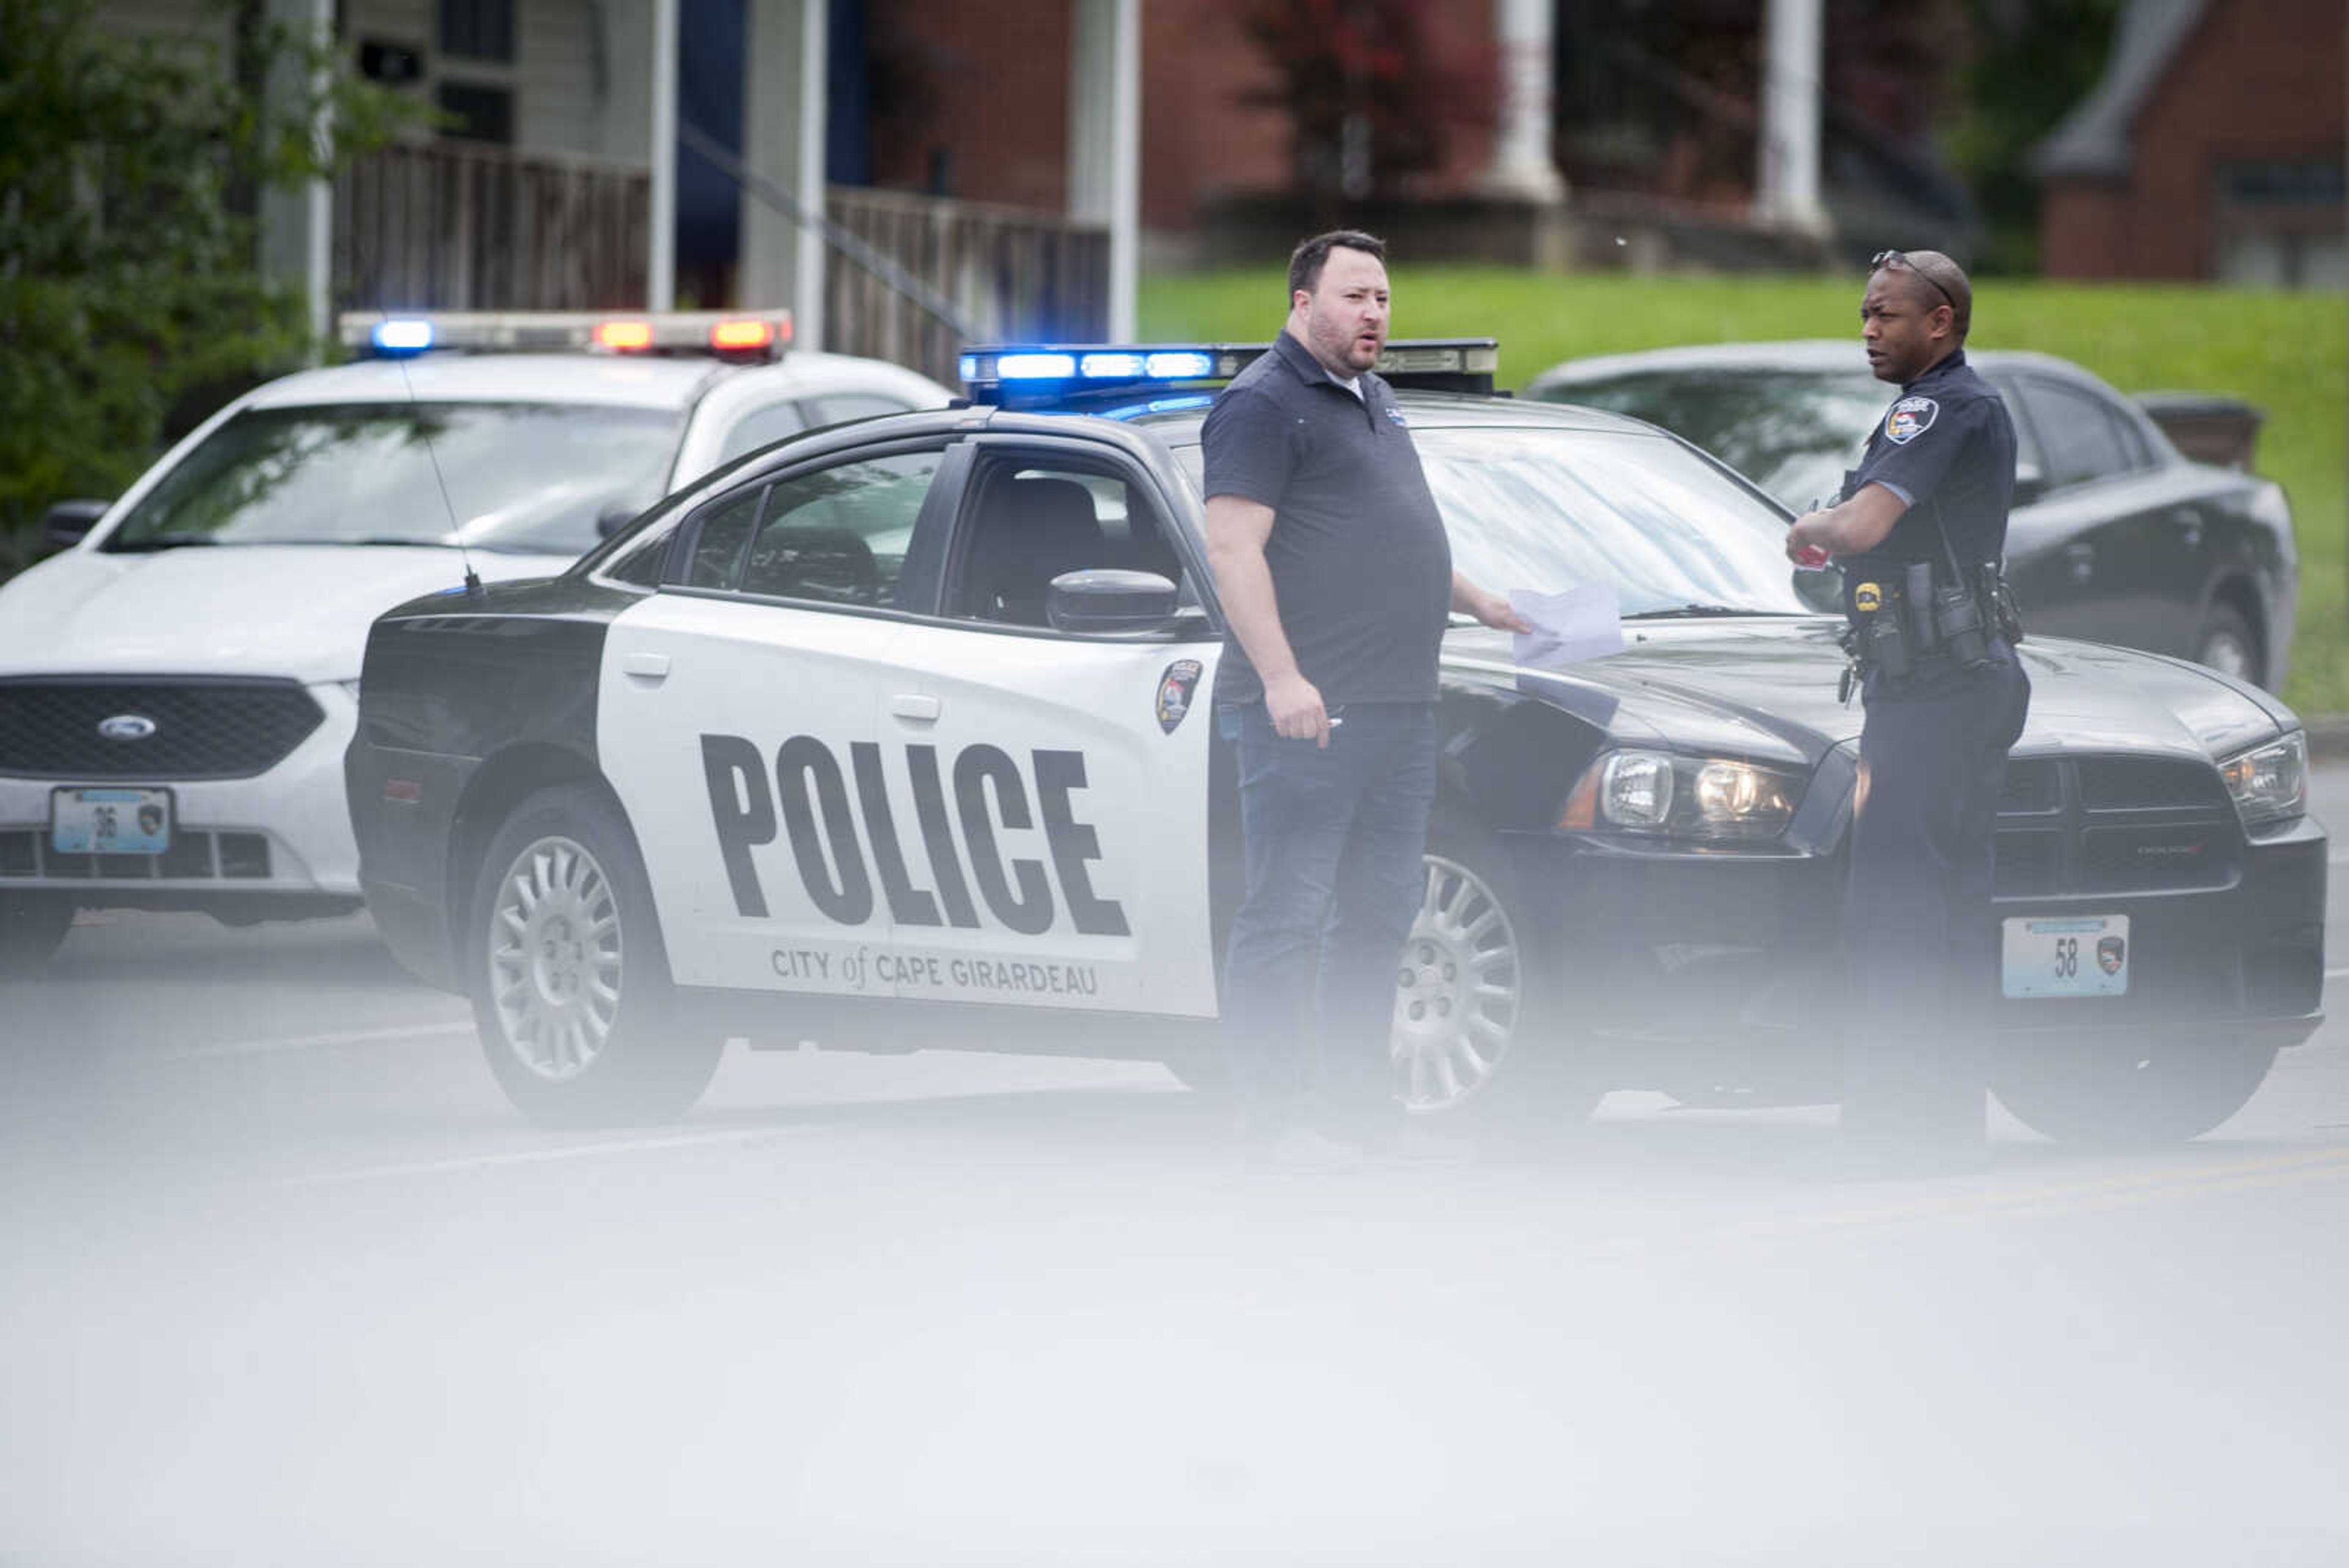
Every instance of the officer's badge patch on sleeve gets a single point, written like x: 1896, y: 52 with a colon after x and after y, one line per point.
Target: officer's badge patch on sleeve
x: 1175, y: 689
x: 1394, y: 416
x: 1910, y: 418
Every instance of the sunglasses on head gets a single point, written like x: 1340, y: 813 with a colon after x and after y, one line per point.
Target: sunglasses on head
x: 1901, y: 259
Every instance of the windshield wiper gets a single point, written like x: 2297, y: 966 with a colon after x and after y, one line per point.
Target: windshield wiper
x: 1696, y: 609
x: 157, y: 542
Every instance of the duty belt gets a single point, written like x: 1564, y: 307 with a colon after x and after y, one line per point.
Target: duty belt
x: 1900, y: 620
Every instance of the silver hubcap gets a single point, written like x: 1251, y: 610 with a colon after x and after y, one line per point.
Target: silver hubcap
x: 2228, y: 655
x: 555, y: 958
x: 1457, y: 1000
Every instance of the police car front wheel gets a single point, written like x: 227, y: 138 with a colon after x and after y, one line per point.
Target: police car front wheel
x: 570, y: 984
x: 1478, y: 1020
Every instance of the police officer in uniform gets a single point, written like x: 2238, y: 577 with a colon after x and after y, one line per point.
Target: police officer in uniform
x: 1919, y: 529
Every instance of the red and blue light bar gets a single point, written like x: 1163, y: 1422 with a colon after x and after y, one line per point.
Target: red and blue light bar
x: 729, y: 334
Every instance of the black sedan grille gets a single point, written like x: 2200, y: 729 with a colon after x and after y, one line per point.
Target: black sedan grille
x: 215, y: 728
x: 2093, y: 826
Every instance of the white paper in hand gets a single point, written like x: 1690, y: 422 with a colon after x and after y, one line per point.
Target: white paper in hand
x: 1581, y: 623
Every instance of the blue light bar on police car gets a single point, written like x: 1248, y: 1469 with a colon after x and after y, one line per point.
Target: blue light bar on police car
x: 1037, y: 375
x: 1179, y: 365
x: 1036, y: 367
x: 401, y: 335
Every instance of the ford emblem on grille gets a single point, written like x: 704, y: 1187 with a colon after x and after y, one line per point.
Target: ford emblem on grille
x: 127, y: 727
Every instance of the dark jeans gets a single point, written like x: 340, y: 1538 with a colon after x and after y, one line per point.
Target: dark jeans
x: 1923, y: 943
x: 1334, y: 838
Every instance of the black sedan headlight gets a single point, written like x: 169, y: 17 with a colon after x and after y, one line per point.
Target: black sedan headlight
x: 1696, y: 800
x: 2269, y: 782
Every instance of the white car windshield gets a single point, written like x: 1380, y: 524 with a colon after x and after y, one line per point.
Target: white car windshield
x: 523, y: 477
x: 1554, y: 509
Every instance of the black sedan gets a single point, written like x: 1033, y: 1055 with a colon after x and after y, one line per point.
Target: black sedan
x: 2115, y: 536
x: 884, y: 739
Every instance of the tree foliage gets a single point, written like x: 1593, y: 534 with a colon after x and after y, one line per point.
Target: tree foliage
x: 2032, y: 63
x: 1372, y: 98
x: 129, y: 282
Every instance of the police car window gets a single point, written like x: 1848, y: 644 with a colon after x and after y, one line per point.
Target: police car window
x: 721, y: 535
x: 639, y: 563
x: 762, y: 427
x: 2081, y: 438
x: 840, y: 535
x: 1032, y: 523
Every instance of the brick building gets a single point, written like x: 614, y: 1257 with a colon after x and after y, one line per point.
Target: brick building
x: 2212, y: 148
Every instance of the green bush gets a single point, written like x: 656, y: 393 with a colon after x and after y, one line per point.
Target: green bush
x: 130, y: 299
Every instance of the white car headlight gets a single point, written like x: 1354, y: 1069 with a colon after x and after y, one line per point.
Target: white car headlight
x: 1705, y: 800
x: 2269, y: 782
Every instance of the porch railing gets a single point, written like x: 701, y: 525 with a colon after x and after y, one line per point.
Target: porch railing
x: 440, y: 225
x: 447, y: 227
x: 1010, y: 273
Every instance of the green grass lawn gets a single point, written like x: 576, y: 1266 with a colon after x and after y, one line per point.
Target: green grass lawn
x: 2288, y: 353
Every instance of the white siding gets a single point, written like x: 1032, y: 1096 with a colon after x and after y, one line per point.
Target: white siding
x: 579, y: 73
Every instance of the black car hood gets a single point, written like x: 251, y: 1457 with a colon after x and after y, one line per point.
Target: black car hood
x: 1764, y: 688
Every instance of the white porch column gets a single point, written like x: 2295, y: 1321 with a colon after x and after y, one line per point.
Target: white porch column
x: 1786, y: 185
x: 784, y: 106
x: 1521, y: 160
x: 660, y: 256
x: 1105, y: 140
x: 298, y: 226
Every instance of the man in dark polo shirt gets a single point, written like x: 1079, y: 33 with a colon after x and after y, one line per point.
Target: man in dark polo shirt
x: 1336, y: 584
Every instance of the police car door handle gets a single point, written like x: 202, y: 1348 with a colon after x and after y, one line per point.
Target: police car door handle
x: 2082, y: 558
x: 915, y: 708
x: 651, y: 667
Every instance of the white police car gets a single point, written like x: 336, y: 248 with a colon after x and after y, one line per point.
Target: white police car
x: 887, y: 739
x: 177, y: 689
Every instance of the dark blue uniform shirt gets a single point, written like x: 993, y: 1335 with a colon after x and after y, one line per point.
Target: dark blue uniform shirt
x: 1361, y: 568
x: 1946, y: 446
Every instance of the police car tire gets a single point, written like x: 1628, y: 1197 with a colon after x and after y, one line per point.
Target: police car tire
x: 630, y: 1060
x: 31, y: 928
x: 2151, y: 1093
x: 1541, y: 1082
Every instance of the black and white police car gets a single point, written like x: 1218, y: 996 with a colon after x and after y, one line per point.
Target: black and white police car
x: 886, y: 738
x: 177, y: 690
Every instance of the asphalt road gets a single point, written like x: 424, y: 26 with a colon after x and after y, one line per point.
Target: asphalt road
x: 282, y: 1280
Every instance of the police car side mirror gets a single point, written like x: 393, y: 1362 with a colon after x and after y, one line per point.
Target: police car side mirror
x: 615, y: 516
x: 2029, y: 483
x: 69, y: 522
x: 1107, y: 600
